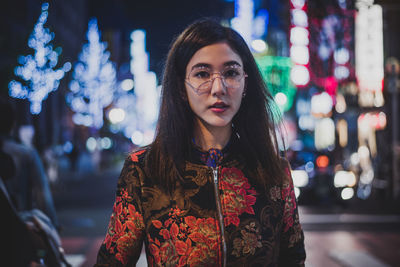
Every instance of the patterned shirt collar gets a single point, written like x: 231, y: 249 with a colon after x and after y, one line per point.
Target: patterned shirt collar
x: 213, y: 157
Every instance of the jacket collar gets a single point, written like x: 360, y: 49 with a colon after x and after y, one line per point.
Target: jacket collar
x: 229, y: 153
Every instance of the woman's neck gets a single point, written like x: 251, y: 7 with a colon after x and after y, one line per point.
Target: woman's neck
x: 207, y: 137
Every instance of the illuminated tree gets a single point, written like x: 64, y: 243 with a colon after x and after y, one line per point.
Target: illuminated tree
x: 39, y: 78
x: 93, y: 84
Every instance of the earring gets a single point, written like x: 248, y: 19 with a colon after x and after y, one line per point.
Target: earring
x: 244, y: 94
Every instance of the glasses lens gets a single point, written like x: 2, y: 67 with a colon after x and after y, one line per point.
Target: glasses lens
x: 199, y: 78
x: 204, y: 87
x: 233, y: 76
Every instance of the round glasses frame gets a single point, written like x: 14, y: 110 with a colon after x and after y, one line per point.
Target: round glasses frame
x: 198, y: 89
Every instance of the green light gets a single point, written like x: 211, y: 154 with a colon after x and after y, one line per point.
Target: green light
x: 276, y: 74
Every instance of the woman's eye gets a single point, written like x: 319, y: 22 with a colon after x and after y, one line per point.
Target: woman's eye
x: 202, y: 75
x: 232, y: 73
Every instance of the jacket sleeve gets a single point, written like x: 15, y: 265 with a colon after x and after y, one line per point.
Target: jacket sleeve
x: 123, y: 242
x: 292, y: 251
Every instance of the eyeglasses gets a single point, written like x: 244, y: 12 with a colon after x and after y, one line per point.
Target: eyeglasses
x: 200, y: 79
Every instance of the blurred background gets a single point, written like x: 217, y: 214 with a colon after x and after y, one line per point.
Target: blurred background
x: 85, y: 78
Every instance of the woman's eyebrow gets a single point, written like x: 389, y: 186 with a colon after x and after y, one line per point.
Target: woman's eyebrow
x: 201, y: 65
x: 226, y: 64
x: 232, y: 63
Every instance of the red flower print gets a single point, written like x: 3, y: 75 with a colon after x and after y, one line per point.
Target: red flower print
x: 290, y: 205
x: 153, y: 249
x: 168, y: 222
x: 182, y: 261
x: 199, y: 248
x: 134, y: 157
x: 180, y: 247
x: 238, y: 196
x: 157, y: 224
x: 174, y: 230
x: 123, y: 248
x: 197, y: 237
x: 190, y: 221
x: 126, y: 226
x: 165, y: 234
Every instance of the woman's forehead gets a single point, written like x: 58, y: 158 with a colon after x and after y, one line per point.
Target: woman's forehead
x: 217, y: 55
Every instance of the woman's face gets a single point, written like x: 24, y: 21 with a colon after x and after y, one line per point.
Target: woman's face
x: 215, y: 103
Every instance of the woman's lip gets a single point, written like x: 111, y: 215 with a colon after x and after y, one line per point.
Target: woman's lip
x: 218, y: 109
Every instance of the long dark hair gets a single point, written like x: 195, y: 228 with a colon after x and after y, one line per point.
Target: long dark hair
x: 254, y: 121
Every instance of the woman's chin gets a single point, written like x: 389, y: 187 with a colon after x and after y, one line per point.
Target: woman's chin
x: 219, y: 123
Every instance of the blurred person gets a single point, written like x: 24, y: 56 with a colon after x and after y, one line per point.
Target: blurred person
x: 28, y: 237
x: 17, y: 248
x: 29, y: 188
x: 212, y: 189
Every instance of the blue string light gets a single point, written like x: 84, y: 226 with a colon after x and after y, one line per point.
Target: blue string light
x: 37, y: 71
x: 94, y: 81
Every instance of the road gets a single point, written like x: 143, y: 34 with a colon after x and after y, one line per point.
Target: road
x: 332, y: 239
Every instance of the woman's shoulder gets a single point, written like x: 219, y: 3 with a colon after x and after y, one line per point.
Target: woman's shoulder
x: 138, y: 155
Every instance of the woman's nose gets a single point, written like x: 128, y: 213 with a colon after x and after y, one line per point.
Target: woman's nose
x: 218, y: 87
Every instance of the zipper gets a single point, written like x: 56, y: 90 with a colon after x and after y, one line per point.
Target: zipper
x: 220, y: 216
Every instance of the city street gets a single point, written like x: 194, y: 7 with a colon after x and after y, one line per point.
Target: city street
x: 82, y: 83
x: 332, y: 239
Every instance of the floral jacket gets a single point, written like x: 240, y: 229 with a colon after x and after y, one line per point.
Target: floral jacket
x: 184, y: 229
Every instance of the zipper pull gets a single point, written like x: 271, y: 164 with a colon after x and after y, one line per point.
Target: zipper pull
x: 215, y: 172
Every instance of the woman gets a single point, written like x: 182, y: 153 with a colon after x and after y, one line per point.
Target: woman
x: 211, y: 190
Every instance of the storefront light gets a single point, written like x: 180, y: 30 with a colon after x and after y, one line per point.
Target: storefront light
x: 341, y: 55
x: 299, y: 54
x: 354, y: 159
x: 298, y: 3
x: 307, y: 122
x: 281, y: 99
x: 363, y: 152
x: 91, y: 144
x: 342, y: 130
x: 300, y: 178
x: 303, y: 106
x: 300, y: 75
x: 367, y: 176
x: 344, y: 178
x: 340, y: 106
x: 322, y: 161
x: 342, y: 72
x: 347, y: 193
x: 324, y: 134
x: 299, y: 36
x: 259, y: 45
x: 309, y: 166
x: 321, y: 103
x: 299, y: 18
x: 369, y: 52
